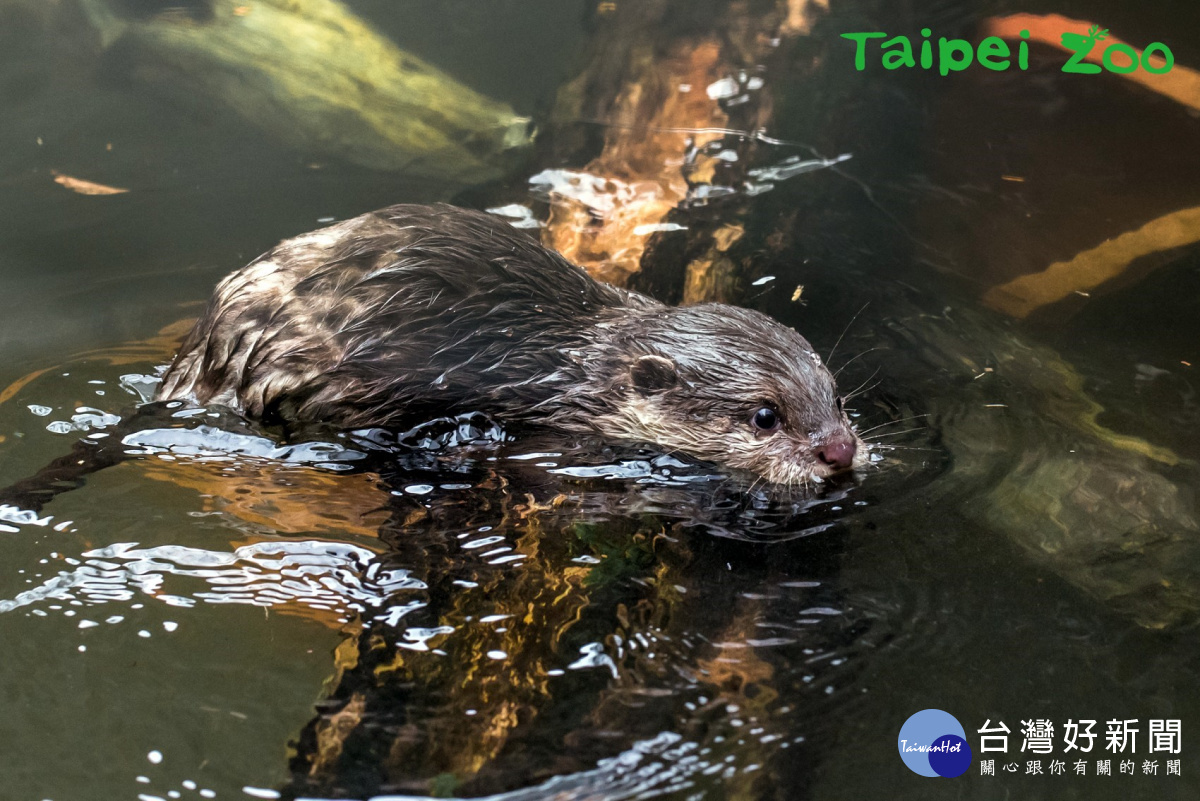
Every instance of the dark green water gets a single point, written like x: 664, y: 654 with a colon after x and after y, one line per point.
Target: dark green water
x: 562, y: 620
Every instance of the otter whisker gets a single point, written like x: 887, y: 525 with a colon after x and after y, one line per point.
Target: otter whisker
x: 862, y: 388
x: 908, y: 419
x: 890, y: 434
x: 886, y: 447
x: 829, y: 359
x: 725, y: 482
x: 838, y: 371
x: 859, y: 389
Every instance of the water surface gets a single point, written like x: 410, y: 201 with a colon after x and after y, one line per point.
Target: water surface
x: 463, y: 611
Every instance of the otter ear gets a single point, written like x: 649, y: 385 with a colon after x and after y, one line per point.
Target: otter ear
x: 652, y: 374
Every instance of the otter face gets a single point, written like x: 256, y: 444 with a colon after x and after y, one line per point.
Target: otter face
x: 735, y: 387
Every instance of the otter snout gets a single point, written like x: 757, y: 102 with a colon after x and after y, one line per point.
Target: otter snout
x: 838, y: 451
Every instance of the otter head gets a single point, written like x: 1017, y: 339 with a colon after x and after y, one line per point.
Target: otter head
x: 735, y: 387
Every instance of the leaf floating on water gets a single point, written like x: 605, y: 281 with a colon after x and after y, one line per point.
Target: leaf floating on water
x: 82, y: 187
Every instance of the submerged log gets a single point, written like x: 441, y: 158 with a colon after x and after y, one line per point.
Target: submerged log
x: 1101, y: 509
x: 677, y: 93
x: 318, y: 77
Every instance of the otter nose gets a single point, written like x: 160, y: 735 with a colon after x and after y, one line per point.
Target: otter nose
x: 838, y: 453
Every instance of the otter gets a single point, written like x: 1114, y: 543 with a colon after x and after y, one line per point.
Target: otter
x: 415, y: 311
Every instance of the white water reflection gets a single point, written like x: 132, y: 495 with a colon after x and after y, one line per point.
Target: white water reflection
x: 663, y: 469
x: 209, y: 443
x: 86, y: 418
x: 333, y: 577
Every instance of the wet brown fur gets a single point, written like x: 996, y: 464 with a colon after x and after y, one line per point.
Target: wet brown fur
x: 420, y: 311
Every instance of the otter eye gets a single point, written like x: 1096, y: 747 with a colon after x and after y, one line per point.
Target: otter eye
x: 839, y: 404
x: 765, y: 419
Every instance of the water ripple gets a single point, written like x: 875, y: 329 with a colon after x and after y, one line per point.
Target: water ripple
x: 336, y: 577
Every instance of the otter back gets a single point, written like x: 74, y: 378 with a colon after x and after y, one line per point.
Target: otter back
x: 402, y: 312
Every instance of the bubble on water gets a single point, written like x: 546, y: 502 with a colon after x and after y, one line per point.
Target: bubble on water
x: 155, y: 757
